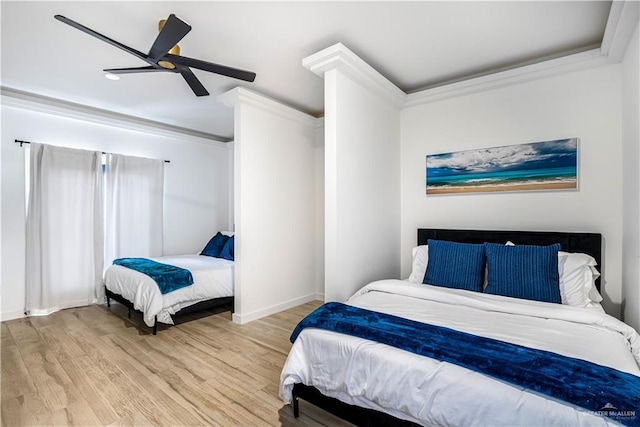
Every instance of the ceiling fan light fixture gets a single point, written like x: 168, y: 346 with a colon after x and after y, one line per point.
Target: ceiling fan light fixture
x: 112, y: 76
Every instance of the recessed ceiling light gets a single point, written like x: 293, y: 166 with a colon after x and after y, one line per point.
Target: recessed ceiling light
x: 111, y: 76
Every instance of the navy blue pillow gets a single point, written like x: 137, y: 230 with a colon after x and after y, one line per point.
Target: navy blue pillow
x: 523, y: 271
x: 227, y: 249
x: 215, y: 245
x: 455, y: 265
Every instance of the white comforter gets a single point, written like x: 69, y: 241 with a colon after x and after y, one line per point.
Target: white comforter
x: 434, y: 393
x: 212, y: 278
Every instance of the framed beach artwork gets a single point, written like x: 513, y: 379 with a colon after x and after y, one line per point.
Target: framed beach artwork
x: 547, y: 165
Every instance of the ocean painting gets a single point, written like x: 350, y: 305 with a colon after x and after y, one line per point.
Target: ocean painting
x: 548, y: 165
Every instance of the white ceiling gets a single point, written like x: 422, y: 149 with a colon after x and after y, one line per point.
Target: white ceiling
x: 416, y: 45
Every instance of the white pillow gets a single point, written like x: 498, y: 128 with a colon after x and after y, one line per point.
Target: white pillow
x: 577, y: 279
x: 419, y: 265
x: 578, y: 274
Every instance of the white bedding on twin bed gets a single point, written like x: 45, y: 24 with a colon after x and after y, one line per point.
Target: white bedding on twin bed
x: 434, y: 393
x: 212, y: 278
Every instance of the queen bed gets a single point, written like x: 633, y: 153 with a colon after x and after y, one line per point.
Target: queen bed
x: 212, y: 278
x: 369, y: 382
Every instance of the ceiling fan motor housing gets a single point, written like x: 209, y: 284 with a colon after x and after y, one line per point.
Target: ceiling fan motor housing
x: 175, y: 50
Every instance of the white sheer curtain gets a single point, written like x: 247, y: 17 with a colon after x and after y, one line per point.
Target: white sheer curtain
x: 134, y: 188
x: 65, y: 246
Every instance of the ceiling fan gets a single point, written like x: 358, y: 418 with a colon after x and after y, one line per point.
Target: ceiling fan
x: 164, y: 55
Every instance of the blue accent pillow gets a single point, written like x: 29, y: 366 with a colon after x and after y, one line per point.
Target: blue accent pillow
x: 215, y: 245
x: 455, y: 265
x: 523, y: 271
x: 227, y: 249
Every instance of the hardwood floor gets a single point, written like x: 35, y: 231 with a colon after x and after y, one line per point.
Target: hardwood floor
x: 92, y: 366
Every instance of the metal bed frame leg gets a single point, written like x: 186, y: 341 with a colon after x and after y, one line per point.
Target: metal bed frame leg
x: 296, y: 407
x: 155, y: 326
x: 106, y: 296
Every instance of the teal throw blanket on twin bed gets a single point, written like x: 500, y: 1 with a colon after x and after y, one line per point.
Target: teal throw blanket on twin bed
x: 168, y: 277
x: 606, y: 391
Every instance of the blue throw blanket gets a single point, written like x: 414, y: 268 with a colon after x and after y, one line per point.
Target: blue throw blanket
x: 603, y: 390
x: 168, y: 277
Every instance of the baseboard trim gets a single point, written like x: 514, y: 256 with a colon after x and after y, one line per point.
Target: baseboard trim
x: 258, y: 314
x: 10, y: 315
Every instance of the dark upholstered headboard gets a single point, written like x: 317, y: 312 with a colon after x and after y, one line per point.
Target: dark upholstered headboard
x: 588, y: 243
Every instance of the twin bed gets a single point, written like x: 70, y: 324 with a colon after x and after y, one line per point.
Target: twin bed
x: 371, y: 383
x: 213, y: 286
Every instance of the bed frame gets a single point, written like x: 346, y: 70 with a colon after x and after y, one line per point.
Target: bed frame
x: 200, y: 306
x: 589, y: 243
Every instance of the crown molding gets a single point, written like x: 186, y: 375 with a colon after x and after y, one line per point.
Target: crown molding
x: 241, y: 95
x: 622, y: 21
x: 578, y: 61
x: 341, y: 58
x: 43, y: 104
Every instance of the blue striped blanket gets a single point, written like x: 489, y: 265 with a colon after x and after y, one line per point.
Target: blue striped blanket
x: 603, y: 390
x: 168, y: 277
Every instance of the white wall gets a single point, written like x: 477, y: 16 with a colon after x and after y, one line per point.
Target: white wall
x: 362, y: 169
x: 584, y: 104
x: 275, y: 205
x: 196, y: 184
x: 319, y: 155
x: 631, y: 183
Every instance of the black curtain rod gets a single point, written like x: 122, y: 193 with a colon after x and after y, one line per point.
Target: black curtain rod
x: 28, y: 142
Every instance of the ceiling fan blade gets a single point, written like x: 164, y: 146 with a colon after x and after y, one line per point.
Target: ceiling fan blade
x: 173, y: 31
x: 102, y: 37
x: 193, y: 82
x: 134, y: 70
x: 211, y: 67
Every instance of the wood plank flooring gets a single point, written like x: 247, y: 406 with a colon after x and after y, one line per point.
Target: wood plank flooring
x: 91, y: 366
